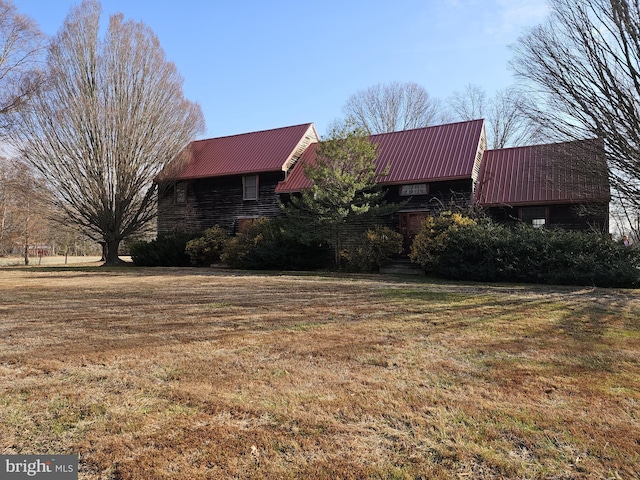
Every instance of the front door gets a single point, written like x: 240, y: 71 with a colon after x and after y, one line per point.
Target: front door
x: 410, y: 224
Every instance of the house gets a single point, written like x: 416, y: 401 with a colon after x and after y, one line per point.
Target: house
x: 230, y: 181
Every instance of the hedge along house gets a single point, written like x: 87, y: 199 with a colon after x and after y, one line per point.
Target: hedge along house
x: 229, y: 181
x: 429, y: 168
x: 562, y: 185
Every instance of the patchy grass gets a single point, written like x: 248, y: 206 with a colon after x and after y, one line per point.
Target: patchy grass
x: 183, y: 373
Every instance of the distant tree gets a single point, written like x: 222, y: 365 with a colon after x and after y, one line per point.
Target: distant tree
x: 10, y: 221
x: 391, y: 107
x: 112, y: 115
x: 470, y: 104
x: 344, y: 189
x: 507, y: 124
x: 21, y: 49
x: 23, y: 190
x: 23, y: 209
x: 583, y: 66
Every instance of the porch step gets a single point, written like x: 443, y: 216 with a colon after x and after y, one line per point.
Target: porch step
x: 402, y: 266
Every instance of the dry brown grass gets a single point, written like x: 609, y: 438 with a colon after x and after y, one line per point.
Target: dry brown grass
x: 195, y: 374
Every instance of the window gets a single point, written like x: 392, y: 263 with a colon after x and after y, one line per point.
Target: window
x: 415, y: 189
x: 250, y: 187
x: 181, y: 192
x: 536, y: 216
x: 538, y: 222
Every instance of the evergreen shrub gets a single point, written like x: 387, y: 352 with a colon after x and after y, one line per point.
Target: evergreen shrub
x: 267, y: 244
x: 433, y: 236
x: 375, y: 248
x: 167, y: 250
x: 490, y: 252
x: 206, y: 249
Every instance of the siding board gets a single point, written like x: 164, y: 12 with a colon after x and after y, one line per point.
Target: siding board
x: 217, y: 201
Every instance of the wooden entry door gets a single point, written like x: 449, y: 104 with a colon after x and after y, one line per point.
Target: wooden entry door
x: 410, y: 223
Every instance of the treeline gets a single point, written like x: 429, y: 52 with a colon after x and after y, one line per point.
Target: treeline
x: 27, y: 217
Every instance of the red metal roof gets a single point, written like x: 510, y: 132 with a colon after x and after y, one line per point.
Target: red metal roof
x: 567, y: 172
x: 443, y: 152
x: 264, y: 151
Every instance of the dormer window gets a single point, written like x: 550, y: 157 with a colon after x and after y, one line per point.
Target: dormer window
x: 414, y: 189
x: 250, y: 187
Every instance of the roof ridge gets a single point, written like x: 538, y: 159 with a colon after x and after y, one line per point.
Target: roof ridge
x: 564, y: 142
x: 252, y: 133
x: 441, y: 125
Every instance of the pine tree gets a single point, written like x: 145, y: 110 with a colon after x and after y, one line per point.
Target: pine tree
x: 345, y: 189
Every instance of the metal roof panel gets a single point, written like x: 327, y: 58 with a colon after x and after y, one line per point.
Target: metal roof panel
x: 437, y: 153
x: 263, y: 151
x: 565, y: 172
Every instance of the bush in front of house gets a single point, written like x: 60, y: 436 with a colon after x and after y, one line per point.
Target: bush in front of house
x: 374, y: 248
x: 491, y: 252
x: 428, y: 245
x: 207, y: 249
x: 167, y: 250
x: 267, y: 245
x: 581, y: 258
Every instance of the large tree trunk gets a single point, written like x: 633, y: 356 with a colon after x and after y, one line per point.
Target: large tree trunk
x: 111, y: 257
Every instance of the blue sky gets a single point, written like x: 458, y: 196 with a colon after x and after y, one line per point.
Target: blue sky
x: 255, y: 65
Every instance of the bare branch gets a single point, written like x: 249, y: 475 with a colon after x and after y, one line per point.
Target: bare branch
x: 111, y: 117
x: 392, y: 107
x: 582, y: 68
x: 21, y: 50
x: 507, y: 126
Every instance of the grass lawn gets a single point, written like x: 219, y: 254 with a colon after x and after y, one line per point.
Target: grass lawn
x: 200, y: 374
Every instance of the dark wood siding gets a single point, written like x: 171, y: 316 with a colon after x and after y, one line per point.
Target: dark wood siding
x: 441, y: 195
x: 217, y: 201
x: 580, y: 217
x: 565, y: 216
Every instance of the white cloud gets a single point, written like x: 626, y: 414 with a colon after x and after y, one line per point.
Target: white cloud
x: 510, y: 17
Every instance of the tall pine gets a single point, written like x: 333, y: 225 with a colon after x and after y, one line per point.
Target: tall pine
x: 345, y: 189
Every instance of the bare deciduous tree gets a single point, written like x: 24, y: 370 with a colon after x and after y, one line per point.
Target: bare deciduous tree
x: 112, y: 115
x: 583, y: 64
x: 392, y: 107
x: 507, y: 125
x: 23, y: 209
x: 21, y: 48
x: 6, y: 204
x: 470, y: 104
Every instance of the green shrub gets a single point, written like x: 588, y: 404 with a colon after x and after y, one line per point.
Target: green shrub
x: 268, y: 245
x: 491, y: 252
x: 433, y: 236
x: 376, y: 247
x: 168, y: 250
x: 205, y: 250
x: 475, y: 252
